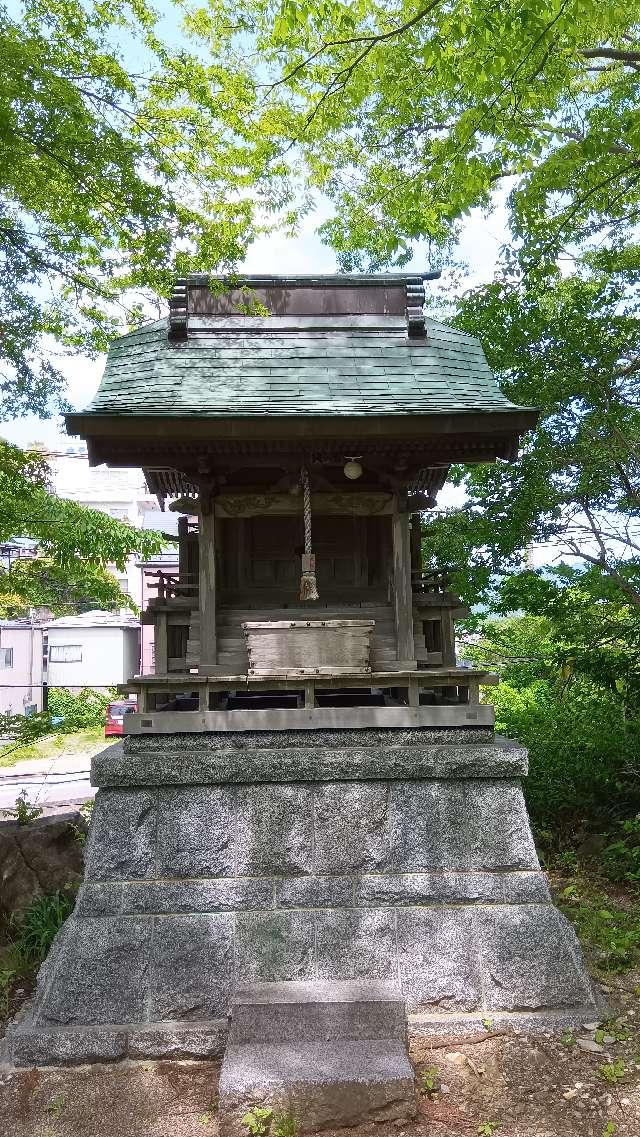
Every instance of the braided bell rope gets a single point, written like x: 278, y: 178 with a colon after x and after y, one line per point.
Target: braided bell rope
x: 306, y: 506
x: 308, y: 583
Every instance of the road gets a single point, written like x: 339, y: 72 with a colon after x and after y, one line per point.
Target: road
x: 61, y: 780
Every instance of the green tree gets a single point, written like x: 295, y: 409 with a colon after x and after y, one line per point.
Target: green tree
x: 116, y: 164
x: 570, y: 346
x: 76, y: 544
x: 569, y: 691
x: 408, y: 114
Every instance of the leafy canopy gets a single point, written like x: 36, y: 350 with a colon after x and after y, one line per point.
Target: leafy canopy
x: 569, y: 691
x: 408, y: 114
x: 571, y: 346
x: 115, y: 169
x: 76, y: 544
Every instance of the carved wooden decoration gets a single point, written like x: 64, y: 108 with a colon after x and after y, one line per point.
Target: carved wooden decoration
x: 332, y: 504
x: 415, y: 308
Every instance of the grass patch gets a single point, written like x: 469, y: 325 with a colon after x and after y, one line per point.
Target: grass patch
x: 55, y: 745
x: 40, y: 923
x: 607, y: 921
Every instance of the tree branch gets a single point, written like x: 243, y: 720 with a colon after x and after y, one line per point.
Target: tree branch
x: 371, y: 40
x: 631, y: 57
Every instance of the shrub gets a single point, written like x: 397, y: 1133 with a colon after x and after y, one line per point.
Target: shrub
x: 40, y: 923
x: 584, y: 752
x: 78, y: 712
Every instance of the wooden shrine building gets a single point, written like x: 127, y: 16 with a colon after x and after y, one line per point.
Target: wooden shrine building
x: 300, y: 425
x: 310, y: 838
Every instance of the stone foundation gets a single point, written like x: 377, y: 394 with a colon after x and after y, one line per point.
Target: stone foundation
x: 216, y: 861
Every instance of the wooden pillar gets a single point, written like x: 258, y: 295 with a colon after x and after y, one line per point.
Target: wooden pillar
x: 160, y: 652
x: 402, y: 594
x: 416, y: 545
x: 207, y: 584
x: 183, y: 536
x: 448, y: 638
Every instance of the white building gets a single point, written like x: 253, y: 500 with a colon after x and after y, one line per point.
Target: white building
x: 96, y: 649
x: 122, y: 494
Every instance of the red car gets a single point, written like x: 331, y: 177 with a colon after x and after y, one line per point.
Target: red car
x: 115, y: 716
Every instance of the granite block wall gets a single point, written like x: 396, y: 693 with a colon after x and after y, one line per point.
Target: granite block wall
x: 194, y: 889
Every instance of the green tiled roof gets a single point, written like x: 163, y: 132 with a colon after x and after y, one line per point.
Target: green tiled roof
x: 309, y: 366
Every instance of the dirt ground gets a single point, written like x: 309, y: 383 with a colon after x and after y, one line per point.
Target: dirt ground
x: 494, y: 1083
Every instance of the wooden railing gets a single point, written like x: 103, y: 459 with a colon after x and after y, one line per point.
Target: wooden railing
x: 432, y: 581
x: 169, y: 585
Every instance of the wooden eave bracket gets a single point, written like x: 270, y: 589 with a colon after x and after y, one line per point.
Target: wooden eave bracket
x: 416, y: 328
x: 178, y: 311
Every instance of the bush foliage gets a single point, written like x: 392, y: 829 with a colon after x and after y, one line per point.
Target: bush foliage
x: 78, y: 712
x: 568, y: 691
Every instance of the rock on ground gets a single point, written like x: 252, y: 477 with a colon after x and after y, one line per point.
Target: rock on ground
x: 39, y: 857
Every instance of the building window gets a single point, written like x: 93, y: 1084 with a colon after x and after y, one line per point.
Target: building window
x: 65, y: 653
x: 123, y: 584
x: 6, y: 657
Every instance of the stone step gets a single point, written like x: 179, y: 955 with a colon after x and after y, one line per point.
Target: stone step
x: 317, y: 1086
x: 317, y: 1012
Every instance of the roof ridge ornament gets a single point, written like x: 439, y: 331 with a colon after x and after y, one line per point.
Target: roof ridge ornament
x: 416, y: 326
x: 178, y: 310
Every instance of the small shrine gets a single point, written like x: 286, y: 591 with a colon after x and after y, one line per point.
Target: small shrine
x: 301, y: 448
x: 311, y: 793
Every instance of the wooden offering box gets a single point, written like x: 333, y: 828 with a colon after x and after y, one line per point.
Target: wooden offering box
x: 309, y: 647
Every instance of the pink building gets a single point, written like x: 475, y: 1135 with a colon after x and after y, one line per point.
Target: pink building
x: 21, y: 666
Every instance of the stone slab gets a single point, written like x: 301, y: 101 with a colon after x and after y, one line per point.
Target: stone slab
x: 356, y: 944
x: 317, y: 1012
x: 97, y: 973
x: 191, y: 971
x: 531, y: 960
x: 364, y: 755
x: 32, y: 1047
x: 554, y: 1021
x: 439, y: 958
x: 274, y: 830
x: 164, y: 897
x: 413, y: 889
x: 348, y: 1083
x: 72, y: 1046
x: 351, y: 827
x: 454, y: 825
x: 251, y: 740
x: 121, y: 844
x: 274, y: 947
x: 178, y: 1040
x: 315, y: 892
x: 195, y: 833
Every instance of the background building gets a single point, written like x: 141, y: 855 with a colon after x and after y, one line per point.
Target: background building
x: 21, y: 666
x: 96, y: 649
x: 122, y: 494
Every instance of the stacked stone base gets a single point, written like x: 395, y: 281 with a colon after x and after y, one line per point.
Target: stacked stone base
x: 323, y: 1054
x: 216, y: 861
